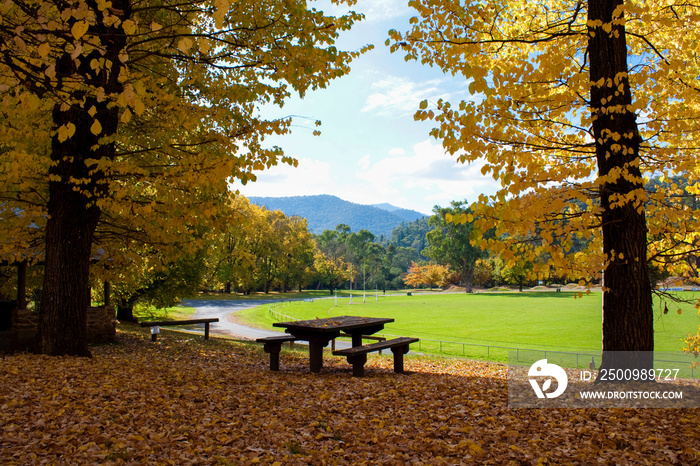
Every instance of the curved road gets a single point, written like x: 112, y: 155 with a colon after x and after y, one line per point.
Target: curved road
x: 224, y: 310
x: 226, y: 325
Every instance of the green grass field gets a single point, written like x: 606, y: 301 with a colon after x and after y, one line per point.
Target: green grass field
x: 456, y: 323
x: 142, y: 312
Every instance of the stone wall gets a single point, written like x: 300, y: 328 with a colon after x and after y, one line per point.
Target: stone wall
x: 101, y: 324
x: 23, y: 330
x: 101, y: 327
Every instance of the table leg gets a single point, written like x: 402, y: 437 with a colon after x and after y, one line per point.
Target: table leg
x: 316, y: 355
x: 358, y: 364
x: 274, y: 348
x: 398, y: 358
x: 356, y: 339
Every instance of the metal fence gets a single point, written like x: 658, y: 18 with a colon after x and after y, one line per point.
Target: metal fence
x: 278, y: 316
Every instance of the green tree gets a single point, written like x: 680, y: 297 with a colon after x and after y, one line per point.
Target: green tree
x: 517, y: 273
x: 366, y: 255
x: 131, y: 108
x: 450, y: 243
x: 554, y: 118
x: 411, y: 234
x: 397, y: 262
x: 162, y: 289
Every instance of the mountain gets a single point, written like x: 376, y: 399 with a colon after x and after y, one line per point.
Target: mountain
x: 406, y: 214
x: 325, y: 212
x: 387, y: 207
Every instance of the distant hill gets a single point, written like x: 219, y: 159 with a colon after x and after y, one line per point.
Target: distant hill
x: 325, y: 212
x: 385, y: 206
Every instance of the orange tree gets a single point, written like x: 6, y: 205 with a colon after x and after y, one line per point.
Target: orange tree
x: 136, y: 115
x: 430, y: 274
x: 572, y: 105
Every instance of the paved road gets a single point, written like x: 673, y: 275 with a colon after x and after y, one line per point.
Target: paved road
x: 225, y: 310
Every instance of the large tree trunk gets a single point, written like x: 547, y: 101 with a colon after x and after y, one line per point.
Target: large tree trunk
x: 627, y: 299
x: 66, y: 293
x: 73, y: 189
x: 468, y: 273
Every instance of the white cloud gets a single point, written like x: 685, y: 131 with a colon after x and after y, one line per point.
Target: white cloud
x: 428, y: 177
x: 396, y: 96
x: 374, y: 10
x: 365, y: 162
x: 382, y: 10
x: 310, y: 177
x: 419, y: 180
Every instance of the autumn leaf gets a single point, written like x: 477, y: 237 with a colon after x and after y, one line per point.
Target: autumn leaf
x: 96, y: 127
x: 185, y: 44
x: 65, y: 132
x: 44, y: 49
x: 187, y: 401
x: 129, y: 27
x: 79, y: 29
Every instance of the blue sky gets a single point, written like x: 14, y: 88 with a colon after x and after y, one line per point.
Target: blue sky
x: 370, y: 149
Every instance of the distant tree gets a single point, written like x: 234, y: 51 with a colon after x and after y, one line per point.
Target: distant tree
x: 331, y: 271
x: 396, y: 262
x: 297, y: 261
x: 411, y: 234
x: 430, y: 274
x: 483, y: 272
x: 162, y: 288
x: 259, y: 250
x: 517, y: 273
x: 358, y: 245
x: 450, y: 242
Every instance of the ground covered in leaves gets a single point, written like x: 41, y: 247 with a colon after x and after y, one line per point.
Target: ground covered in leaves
x: 184, y: 400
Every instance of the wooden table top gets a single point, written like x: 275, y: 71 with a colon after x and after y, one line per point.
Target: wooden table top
x: 334, y: 324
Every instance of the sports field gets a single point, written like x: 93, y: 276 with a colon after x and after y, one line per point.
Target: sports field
x: 483, y: 325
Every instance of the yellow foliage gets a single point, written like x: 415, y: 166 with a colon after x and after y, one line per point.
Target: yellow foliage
x: 529, y: 120
x: 430, y: 274
x: 181, y: 118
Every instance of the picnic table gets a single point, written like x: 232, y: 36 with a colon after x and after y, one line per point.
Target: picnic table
x: 319, y: 332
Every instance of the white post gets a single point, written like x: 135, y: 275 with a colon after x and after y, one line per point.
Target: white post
x: 364, y: 282
x: 351, y: 276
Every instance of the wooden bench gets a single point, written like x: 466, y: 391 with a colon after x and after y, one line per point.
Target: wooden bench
x: 165, y: 323
x: 273, y: 346
x: 364, y: 337
x: 357, y: 356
